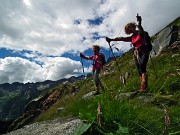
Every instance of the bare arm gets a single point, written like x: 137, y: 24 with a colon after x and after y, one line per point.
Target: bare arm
x: 87, y: 58
x: 124, y: 39
x: 84, y: 57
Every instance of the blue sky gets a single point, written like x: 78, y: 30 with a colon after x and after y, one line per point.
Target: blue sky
x: 41, y: 39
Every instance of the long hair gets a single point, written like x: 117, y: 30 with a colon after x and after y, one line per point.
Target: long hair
x: 129, y: 25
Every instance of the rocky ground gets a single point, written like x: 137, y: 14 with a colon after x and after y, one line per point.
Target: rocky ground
x: 59, y: 126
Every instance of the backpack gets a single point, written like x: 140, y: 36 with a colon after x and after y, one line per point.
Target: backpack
x: 147, y: 39
x: 103, y: 60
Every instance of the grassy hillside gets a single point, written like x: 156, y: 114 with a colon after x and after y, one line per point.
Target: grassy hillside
x: 143, y: 114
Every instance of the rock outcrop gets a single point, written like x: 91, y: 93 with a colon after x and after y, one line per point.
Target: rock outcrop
x: 166, y: 38
x: 59, y: 126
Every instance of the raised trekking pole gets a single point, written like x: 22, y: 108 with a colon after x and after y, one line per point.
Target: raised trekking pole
x: 83, y: 71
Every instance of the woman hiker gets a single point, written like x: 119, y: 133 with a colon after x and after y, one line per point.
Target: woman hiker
x: 141, y: 53
x: 97, y: 66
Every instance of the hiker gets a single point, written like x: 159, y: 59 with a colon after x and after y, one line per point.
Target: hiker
x: 97, y: 66
x: 141, y: 53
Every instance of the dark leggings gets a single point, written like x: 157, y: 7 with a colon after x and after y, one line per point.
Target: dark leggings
x: 96, y: 79
x: 141, y: 62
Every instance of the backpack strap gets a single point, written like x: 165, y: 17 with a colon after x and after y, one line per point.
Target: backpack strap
x: 95, y: 61
x: 98, y: 61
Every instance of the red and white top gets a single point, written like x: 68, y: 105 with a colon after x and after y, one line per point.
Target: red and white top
x: 137, y: 40
x: 96, y: 61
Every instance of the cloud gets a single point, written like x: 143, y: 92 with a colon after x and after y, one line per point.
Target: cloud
x: 48, y: 26
x: 15, y: 69
x: 44, y: 26
x: 55, y: 27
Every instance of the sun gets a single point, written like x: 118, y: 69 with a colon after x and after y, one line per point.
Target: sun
x: 27, y: 2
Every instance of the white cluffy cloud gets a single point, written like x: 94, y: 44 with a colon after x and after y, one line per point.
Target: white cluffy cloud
x: 21, y: 70
x: 47, y: 26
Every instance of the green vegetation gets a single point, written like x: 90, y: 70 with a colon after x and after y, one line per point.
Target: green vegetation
x: 175, y: 22
x: 6, y: 102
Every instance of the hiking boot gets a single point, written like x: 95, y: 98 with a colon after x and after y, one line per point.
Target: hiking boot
x: 140, y: 78
x: 143, y: 87
x: 144, y: 83
x: 97, y: 93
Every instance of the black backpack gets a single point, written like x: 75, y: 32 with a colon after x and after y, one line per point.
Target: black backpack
x: 147, y: 39
x: 103, y: 60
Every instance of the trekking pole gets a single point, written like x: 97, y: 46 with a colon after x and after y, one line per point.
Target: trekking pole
x: 83, y: 72
x: 121, y: 76
x: 114, y: 56
x: 153, y: 67
x: 154, y: 51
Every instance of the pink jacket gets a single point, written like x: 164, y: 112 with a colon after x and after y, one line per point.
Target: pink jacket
x: 96, y: 61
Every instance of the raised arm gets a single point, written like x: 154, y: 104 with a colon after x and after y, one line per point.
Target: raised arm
x: 141, y: 30
x: 124, y: 39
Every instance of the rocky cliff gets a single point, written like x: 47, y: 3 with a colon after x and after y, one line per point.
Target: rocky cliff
x: 168, y: 37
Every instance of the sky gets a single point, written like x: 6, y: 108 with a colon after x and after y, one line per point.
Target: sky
x: 41, y: 39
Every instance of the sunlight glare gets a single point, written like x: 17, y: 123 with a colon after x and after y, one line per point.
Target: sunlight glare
x: 27, y: 2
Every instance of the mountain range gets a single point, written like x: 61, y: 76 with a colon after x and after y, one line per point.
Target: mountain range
x: 14, y: 97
